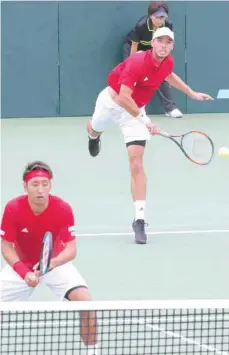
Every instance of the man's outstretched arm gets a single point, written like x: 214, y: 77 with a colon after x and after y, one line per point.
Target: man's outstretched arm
x: 179, y: 84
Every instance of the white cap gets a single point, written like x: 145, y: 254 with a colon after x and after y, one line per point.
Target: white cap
x: 163, y: 31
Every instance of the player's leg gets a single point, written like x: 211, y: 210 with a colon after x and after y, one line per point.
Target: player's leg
x: 12, y: 286
x: 138, y: 187
x: 135, y: 135
x: 66, y: 282
x: 88, y: 324
x: 101, y: 120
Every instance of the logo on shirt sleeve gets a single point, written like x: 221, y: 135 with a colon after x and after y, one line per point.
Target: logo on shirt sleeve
x: 72, y: 231
x: 2, y: 232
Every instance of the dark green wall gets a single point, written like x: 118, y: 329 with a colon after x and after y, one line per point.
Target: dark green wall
x: 29, y: 59
x: 56, y: 55
x: 208, y: 52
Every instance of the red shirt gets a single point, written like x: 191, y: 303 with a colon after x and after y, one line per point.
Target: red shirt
x: 26, y: 230
x: 141, y: 73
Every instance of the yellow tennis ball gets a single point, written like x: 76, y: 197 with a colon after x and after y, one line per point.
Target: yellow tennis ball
x: 224, y: 152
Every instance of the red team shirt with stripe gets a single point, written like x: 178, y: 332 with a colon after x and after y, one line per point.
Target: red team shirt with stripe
x: 142, y: 73
x: 26, y: 230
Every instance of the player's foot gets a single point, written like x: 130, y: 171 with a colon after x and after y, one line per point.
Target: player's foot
x: 94, y: 146
x: 139, y: 229
x: 174, y: 113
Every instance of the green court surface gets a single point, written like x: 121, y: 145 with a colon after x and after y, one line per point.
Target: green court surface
x: 187, y: 206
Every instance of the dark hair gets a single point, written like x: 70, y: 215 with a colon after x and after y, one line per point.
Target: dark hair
x: 37, y: 165
x: 155, y: 5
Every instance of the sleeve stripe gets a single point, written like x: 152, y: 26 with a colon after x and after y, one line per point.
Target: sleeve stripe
x: 71, y: 229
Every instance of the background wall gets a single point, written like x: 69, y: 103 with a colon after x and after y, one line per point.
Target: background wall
x: 56, y: 55
x: 208, y: 52
x: 29, y: 59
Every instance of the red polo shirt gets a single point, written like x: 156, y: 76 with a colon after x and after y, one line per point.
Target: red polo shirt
x: 26, y: 230
x: 141, y: 73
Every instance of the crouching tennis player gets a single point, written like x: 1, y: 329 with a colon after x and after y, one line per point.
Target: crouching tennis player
x: 25, y: 221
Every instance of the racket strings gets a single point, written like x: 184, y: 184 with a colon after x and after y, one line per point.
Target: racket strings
x: 198, y: 147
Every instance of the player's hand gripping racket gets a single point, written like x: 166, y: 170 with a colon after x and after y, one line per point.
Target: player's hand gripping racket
x: 46, y: 253
x: 197, y: 146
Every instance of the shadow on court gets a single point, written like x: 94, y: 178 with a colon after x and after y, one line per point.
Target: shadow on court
x: 188, y: 205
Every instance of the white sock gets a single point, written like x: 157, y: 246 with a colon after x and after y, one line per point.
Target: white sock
x: 139, y: 209
x: 92, y: 137
x: 93, y: 350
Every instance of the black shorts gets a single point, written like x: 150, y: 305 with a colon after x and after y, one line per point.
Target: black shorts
x: 141, y: 143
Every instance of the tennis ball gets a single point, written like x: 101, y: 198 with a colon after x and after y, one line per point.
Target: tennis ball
x: 224, y: 152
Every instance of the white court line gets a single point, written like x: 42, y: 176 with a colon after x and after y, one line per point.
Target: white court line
x: 188, y: 340
x: 109, y: 234
x: 135, y: 321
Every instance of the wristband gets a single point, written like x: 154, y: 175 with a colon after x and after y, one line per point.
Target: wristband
x: 144, y: 119
x: 20, y: 268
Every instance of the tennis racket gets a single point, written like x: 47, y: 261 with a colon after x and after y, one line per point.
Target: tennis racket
x: 197, y: 146
x: 46, y: 253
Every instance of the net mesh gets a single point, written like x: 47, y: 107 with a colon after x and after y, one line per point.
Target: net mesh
x: 198, y: 147
x: 133, y: 328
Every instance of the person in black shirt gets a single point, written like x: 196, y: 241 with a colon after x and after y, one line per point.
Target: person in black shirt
x: 139, y: 39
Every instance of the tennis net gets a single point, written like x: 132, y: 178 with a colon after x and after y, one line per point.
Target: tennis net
x: 121, y: 327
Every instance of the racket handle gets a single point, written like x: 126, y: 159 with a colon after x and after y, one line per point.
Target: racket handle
x: 164, y: 134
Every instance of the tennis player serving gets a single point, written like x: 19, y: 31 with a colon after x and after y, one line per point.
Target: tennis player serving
x: 131, y: 85
x: 26, y: 220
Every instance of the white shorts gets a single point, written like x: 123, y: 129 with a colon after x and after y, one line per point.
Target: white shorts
x: 60, y: 280
x: 107, y: 112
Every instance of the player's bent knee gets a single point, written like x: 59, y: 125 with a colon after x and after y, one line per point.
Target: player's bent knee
x: 78, y: 293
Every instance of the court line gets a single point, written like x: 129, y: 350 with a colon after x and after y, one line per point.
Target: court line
x: 111, y: 234
x: 187, y: 340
